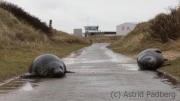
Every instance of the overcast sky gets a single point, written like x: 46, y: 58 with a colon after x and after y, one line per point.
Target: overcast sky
x: 69, y: 14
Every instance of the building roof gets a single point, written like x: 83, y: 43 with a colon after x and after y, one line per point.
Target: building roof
x: 135, y: 23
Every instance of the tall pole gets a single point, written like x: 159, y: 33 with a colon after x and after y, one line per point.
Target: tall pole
x: 87, y: 21
x: 97, y: 22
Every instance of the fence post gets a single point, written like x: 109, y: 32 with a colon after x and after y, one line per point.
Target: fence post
x: 50, y: 24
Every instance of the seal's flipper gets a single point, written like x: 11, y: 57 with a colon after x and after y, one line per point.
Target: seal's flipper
x: 166, y: 64
x: 165, y: 59
x: 33, y: 74
x: 158, y: 51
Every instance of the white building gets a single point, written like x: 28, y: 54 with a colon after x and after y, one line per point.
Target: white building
x: 125, y: 28
x: 78, y: 32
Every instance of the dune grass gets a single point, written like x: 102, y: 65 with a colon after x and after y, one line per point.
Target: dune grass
x: 160, y: 32
x: 24, y: 16
x: 136, y: 41
x: 21, y: 42
x: 16, y: 62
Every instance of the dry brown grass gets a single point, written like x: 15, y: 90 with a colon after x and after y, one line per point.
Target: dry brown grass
x: 17, y: 61
x: 161, y: 32
x: 14, y: 34
x: 63, y: 37
x: 131, y: 42
x: 20, y: 43
x: 22, y: 15
x: 165, y: 26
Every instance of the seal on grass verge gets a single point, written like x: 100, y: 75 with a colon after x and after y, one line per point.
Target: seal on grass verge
x: 150, y: 59
x: 47, y: 65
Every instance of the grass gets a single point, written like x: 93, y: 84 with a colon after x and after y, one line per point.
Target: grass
x: 160, y: 32
x: 136, y: 41
x: 22, y: 15
x: 172, y: 69
x: 15, y: 62
x: 165, y: 26
x: 170, y: 50
x: 21, y: 42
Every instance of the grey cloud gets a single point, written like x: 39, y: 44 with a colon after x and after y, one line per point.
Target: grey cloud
x: 70, y: 14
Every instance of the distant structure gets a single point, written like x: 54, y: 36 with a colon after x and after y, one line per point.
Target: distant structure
x: 91, y: 28
x: 125, y: 28
x: 93, y: 31
x: 78, y: 32
x: 100, y: 34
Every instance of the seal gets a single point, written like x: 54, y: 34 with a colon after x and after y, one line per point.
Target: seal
x: 47, y: 65
x: 150, y: 59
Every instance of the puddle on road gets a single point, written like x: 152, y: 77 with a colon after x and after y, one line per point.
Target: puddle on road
x: 114, y: 57
x: 76, y: 53
x: 18, y: 85
x: 71, y: 58
x: 167, y: 79
x: 27, y: 87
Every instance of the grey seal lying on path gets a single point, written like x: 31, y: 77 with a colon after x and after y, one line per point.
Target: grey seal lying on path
x: 47, y: 65
x: 150, y: 59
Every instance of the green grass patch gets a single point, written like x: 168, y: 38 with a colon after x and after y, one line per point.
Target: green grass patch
x: 173, y: 69
x: 16, y: 62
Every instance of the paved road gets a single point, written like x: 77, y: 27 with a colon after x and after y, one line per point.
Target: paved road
x: 100, y: 75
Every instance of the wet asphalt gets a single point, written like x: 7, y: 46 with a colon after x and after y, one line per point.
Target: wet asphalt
x: 100, y: 75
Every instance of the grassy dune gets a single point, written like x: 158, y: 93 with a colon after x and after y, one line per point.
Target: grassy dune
x: 161, y: 32
x: 21, y: 42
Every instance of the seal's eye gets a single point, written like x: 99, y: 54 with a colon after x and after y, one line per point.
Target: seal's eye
x: 52, y: 69
x: 60, y: 67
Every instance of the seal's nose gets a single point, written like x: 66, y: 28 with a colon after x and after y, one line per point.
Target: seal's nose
x: 58, y: 71
x: 150, y: 63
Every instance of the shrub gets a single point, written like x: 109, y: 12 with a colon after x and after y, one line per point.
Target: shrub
x: 165, y: 26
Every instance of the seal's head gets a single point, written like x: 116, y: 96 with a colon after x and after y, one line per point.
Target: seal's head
x: 55, y: 70
x: 149, y: 62
x: 150, y: 59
